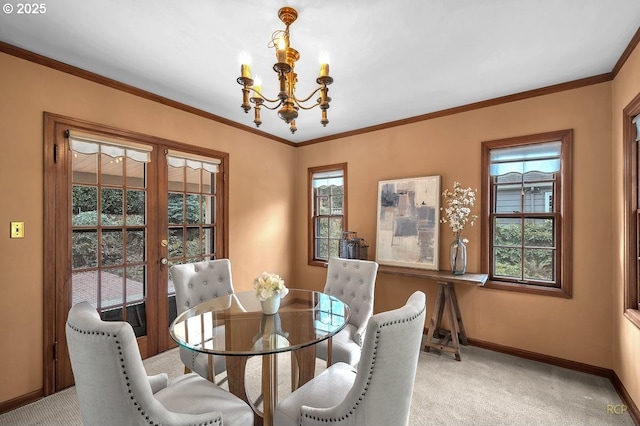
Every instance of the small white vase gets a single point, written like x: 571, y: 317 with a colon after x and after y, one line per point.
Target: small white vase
x: 271, y: 305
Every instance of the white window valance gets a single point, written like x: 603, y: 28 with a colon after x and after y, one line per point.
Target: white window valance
x: 196, y: 162
x: 540, y: 157
x: 333, y: 177
x: 92, y: 144
x: 636, y: 121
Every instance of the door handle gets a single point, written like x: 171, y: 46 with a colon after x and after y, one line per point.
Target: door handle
x: 164, y: 261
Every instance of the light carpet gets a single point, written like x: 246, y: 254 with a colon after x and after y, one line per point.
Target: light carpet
x: 485, y: 388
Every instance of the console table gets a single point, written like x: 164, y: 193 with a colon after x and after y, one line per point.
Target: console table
x: 437, y: 337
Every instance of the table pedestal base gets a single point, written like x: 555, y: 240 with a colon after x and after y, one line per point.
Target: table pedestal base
x: 303, y: 367
x: 438, y: 338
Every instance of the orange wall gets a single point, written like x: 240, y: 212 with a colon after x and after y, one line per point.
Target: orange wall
x: 260, y: 238
x: 578, y: 329
x: 588, y: 328
x: 626, y: 349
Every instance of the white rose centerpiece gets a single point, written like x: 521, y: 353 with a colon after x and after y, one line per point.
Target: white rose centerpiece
x: 270, y: 289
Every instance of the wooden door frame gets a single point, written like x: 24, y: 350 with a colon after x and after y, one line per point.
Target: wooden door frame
x: 56, y: 276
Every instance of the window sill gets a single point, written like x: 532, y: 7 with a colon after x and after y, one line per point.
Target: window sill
x: 633, y: 315
x: 321, y: 263
x: 526, y: 288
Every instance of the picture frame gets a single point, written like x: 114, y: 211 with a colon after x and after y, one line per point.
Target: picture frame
x: 407, y: 232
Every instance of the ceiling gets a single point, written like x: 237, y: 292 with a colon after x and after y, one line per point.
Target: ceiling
x: 390, y: 60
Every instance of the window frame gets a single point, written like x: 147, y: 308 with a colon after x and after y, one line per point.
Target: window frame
x: 631, y: 150
x: 311, y: 171
x: 562, y: 216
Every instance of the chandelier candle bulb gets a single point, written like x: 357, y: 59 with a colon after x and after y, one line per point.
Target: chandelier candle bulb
x: 281, y: 51
x: 324, y: 70
x: 245, y: 70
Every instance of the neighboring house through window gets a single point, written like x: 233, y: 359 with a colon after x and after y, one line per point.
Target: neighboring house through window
x: 526, y: 204
x: 328, y: 211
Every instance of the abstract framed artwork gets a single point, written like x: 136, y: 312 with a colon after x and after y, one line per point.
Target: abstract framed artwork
x: 408, y: 222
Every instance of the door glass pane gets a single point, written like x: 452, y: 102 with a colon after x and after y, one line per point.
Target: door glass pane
x: 135, y: 284
x: 193, y: 242
x: 111, y: 202
x: 176, y: 208
x: 112, y: 247
x: 85, y: 168
x: 85, y: 287
x: 85, y: 249
x: 208, y: 242
x: 85, y: 202
x: 175, y: 243
x: 193, y: 179
x: 136, y: 206
x: 109, y: 234
x: 193, y: 208
x: 111, y: 287
x: 208, y: 182
x: 208, y: 209
x: 111, y: 170
x: 135, y: 245
x: 192, y: 215
x: 176, y: 178
x: 135, y: 174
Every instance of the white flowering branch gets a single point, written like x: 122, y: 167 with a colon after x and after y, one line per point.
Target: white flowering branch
x: 268, y: 285
x: 458, y: 211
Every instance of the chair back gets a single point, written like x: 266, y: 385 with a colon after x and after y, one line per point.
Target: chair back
x: 201, y: 281
x: 111, y: 382
x: 381, y: 393
x: 353, y: 281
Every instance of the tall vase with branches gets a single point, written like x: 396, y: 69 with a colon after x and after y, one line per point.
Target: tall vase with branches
x: 458, y: 214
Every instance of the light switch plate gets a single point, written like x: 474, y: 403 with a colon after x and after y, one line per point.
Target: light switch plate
x: 17, y: 229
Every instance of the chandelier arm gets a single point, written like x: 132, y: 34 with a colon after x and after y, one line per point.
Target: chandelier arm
x: 263, y: 97
x: 273, y: 108
x: 300, y: 101
x: 307, y: 108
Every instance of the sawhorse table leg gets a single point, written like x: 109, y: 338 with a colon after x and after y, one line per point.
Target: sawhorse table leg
x: 438, y: 338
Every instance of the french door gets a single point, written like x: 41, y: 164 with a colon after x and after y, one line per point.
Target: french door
x: 120, y: 209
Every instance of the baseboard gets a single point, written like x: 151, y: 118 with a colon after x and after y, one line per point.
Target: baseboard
x: 547, y: 359
x: 631, y: 407
x: 18, y: 402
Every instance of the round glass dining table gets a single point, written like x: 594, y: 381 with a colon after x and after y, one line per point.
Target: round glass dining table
x: 234, y: 326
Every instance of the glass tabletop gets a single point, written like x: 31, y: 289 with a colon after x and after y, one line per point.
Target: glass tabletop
x: 235, y: 324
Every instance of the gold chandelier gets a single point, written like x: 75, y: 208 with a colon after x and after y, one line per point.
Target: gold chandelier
x: 287, y: 102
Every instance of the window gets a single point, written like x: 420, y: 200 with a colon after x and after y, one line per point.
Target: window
x: 328, y: 211
x: 526, y: 206
x: 631, y: 141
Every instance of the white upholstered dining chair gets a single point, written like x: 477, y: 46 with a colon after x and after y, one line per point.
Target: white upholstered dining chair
x: 378, y: 392
x: 194, y: 284
x: 353, y: 282
x: 113, y: 387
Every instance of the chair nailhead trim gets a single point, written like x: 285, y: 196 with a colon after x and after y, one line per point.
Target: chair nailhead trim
x: 371, y: 369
